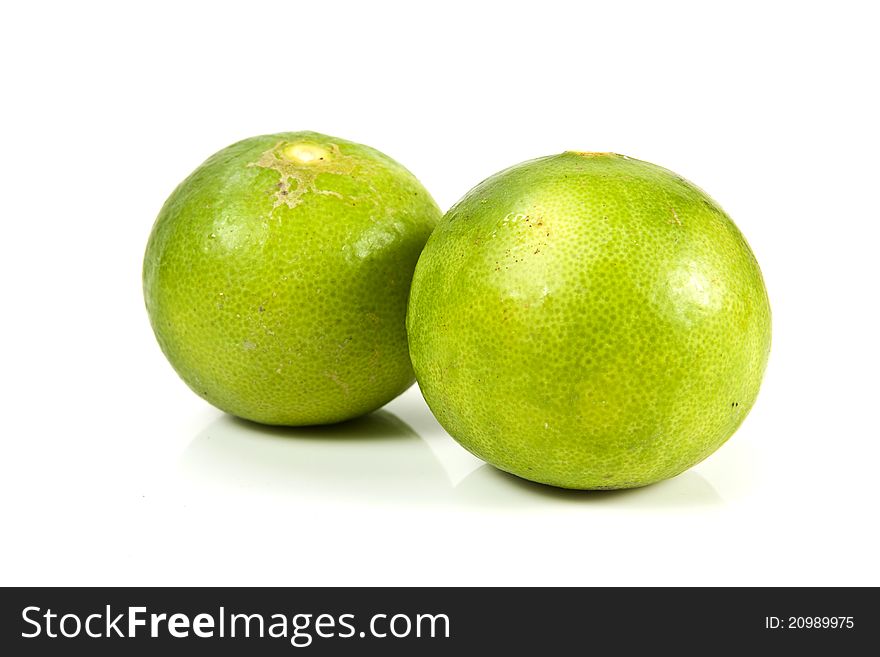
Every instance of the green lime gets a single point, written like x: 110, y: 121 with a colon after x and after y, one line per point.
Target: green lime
x: 276, y: 277
x: 588, y: 320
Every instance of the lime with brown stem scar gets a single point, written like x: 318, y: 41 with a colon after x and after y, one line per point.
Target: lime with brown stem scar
x: 588, y: 320
x: 276, y: 277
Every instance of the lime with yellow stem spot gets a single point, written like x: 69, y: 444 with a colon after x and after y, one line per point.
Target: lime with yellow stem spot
x: 276, y: 277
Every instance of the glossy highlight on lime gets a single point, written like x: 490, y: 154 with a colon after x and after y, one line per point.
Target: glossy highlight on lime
x: 277, y: 274
x: 590, y: 321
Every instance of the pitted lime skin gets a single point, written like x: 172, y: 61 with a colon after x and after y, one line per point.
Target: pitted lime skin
x: 277, y: 274
x: 590, y: 321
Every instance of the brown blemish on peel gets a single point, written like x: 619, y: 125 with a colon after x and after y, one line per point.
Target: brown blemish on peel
x: 299, y: 164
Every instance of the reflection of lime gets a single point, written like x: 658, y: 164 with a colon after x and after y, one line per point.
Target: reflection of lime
x: 590, y: 321
x: 374, y: 458
x: 276, y: 277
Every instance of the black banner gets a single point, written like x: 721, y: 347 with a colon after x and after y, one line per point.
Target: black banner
x: 408, y: 621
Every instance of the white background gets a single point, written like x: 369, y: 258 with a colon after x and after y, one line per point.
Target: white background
x: 113, y: 472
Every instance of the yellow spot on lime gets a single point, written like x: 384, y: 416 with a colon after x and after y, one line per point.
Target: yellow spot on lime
x: 304, y: 153
x: 595, y: 154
